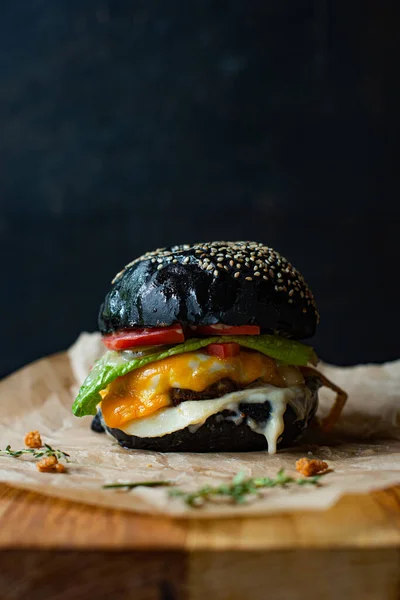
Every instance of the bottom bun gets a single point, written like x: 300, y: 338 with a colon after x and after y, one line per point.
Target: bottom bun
x: 220, y: 433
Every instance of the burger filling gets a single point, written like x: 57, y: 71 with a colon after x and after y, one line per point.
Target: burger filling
x: 192, y: 376
x: 151, y: 391
x: 183, y: 391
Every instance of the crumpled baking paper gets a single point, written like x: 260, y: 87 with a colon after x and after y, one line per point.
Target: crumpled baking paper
x: 363, y: 452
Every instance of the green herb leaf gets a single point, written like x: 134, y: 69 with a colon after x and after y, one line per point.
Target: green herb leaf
x: 116, y: 364
x: 46, y: 450
x: 239, y: 490
x: 238, y: 478
x: 135, y: 484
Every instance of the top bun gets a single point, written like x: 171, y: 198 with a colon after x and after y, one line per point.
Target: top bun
x: 234, y: 283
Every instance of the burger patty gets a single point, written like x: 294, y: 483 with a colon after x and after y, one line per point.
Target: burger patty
x: 216, y: 390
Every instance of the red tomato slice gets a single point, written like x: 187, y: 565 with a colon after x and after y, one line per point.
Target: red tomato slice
x: 153, y: 336
x: 224, y: 350
x: 219, y: 329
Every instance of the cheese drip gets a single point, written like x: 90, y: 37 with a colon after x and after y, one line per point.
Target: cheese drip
x: 193, y: 414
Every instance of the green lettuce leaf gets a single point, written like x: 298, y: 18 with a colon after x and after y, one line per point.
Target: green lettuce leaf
x: 115, y: 364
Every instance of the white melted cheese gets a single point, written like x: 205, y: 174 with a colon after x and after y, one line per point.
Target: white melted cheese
x: 274, y: 426
x: 193, y: 414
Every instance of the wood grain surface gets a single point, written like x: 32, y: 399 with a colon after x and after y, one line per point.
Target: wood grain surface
x: 281, y: 575
x: 58, y: 550
x: 31, y: 520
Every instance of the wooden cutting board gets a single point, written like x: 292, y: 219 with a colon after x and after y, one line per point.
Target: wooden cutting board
x: 60, y: 550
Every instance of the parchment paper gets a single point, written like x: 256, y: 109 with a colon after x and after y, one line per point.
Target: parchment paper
x: 364, y: 452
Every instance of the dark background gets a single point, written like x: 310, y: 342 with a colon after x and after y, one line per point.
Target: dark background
x: 125, y: 126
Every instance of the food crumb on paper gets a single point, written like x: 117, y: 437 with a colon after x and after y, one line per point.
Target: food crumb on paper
x: 50, y: 464
x: 311, y: 466
x: 33, y: 440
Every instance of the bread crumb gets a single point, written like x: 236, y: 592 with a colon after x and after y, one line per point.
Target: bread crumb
x: 47, y: 464
x: 33, y: 440
x: 311, y: 466
x: 59, y: 468
x: 50, y: 464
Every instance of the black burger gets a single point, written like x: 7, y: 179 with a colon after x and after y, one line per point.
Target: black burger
x: 203, y: 352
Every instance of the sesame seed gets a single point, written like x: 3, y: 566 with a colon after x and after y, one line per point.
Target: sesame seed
x: 216, y: 273
x: 304, y: 310
x: 252, y: 255
x: 290, y: 300
x: 249, y: 278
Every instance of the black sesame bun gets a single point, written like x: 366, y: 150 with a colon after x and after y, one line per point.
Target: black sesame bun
x: 233, y: 283
x: 222, y: 433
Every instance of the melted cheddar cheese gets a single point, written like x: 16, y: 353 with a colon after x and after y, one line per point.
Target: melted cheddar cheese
x: 146, y: 390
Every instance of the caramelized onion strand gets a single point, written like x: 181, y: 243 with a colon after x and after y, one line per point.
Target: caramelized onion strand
x: 333, y: 416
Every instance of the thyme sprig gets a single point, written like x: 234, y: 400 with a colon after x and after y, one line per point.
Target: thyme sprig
x: 238, y: 491
x: 241, y: 488
x: 45, y: 450
x: 135, y: 484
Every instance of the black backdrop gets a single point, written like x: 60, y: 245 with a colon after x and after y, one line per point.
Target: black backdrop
x: 125, y: 126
